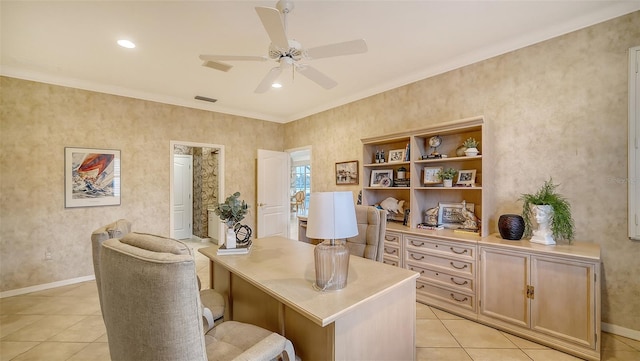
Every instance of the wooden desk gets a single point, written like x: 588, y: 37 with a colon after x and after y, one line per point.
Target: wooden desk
x: 272, y: 287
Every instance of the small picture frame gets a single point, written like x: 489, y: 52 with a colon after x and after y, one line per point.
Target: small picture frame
x: 450, y: 215
x: 466, y: 177
x: 381, y: 178
x: 347, y: 173
x: 430, y: 175
x: 396, y: 156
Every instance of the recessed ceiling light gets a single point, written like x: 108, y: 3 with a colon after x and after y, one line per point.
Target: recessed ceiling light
x: 276, y: 85
x: 126, y: 44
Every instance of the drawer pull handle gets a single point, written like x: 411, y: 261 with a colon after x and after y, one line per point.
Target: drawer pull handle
x: 459, y: 284
x: 417, y: 270
x: 420, y: 287
x: 390, y: 239
x: 456, y: 267
x: 390, y: 251
x: 457, y: 300
x: 456, y: 252
x: 416, y: 258
x: 416, y: 244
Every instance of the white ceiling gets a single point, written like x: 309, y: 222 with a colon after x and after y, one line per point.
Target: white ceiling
x: 73, y: 43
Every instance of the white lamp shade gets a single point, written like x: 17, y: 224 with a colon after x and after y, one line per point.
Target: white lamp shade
x: 332, y: 215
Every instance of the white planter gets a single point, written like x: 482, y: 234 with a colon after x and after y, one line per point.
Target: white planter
x: 470, y: 152
x: 448, y: 182
x: 231, y: 238
x: 543, y: 234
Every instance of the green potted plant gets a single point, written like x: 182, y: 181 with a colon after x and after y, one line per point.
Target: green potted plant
x: 552, y: 212
x: 472, y: 147
x: 231, y: 212
x: 447, y: 176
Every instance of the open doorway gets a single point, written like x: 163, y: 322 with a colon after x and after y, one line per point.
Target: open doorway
x: 300, y: 187
x: 194, y: 188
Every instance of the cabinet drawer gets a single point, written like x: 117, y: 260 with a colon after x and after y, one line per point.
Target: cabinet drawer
x: 391, y: 251
x: 390, y: 261
x: 447, y: 248
x: 392, y: 238
x: 446, y: 279
x: 453, y: 297
x: 444, y: 263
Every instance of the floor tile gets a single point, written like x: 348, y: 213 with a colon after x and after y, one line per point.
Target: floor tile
x: 494, y: 354
x: 97, y: 351
x: 12, y: 323
x: 44, y: 329
x: 522, y: 343
x: 549, y: 355
x: 613, y: 342
x: 11, y: 349
x: 431, y: 333
x: 443, y: 315
x: 633, y: 343
x: 51, y: 351
x: 441, y: 354
x: 87, y: 330
x: 618, y: 355
x: 471, y: 334
x: 424, y: 311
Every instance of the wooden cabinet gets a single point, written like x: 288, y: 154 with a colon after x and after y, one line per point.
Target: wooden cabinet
x: 420, y: 195
x: 393, y: 248
x: 549, y: 294
x: 447, y: 272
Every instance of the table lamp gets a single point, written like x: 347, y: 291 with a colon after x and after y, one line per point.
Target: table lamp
x: 332, y: 216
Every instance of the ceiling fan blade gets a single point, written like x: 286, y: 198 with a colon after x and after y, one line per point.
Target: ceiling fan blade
x: 233, y: 57
x: 316, y: 76
x: 346, y: 48
x: 265, y: 84
x: 272, y: 23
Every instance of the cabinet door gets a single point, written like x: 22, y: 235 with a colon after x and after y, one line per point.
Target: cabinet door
x: 503, y: 279
x: 563, y: 302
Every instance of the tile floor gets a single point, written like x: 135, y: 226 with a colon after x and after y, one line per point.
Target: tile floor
x: 65, y: 323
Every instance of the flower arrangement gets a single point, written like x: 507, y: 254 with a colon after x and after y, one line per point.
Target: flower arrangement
x: 449, y: 173
x: 471, y: 143
x: 232, y: 211
x: 562, y: 225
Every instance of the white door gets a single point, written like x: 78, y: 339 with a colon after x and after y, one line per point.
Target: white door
x: 273, y: 193
x: 182, y: 196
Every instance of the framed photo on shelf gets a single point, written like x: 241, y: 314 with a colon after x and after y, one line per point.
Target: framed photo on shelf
x: 451, y: 216
x: 396, y: 156
x: 347, y: 172
x: 467, y: 177
x: 381, y: 178
x: 430, y: 175
x: 91, y: 177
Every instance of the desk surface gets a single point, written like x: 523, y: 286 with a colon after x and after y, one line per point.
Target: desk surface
x: 284, y: 269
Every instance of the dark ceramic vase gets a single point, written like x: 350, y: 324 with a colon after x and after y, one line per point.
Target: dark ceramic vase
x: 511, y: 226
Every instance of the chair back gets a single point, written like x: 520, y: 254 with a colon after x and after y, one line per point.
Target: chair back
x: 299, y: 196
x: 150, y: 299
x: 372, y: 225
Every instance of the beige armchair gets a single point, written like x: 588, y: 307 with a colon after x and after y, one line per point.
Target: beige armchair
x: 151, y: 307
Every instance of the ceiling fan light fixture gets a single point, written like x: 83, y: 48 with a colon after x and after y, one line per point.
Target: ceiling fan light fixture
x: 126, y: 43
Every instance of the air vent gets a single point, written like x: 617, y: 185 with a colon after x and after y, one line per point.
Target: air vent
x: 205, y: 99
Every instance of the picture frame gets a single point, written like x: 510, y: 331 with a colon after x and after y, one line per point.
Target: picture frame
x: 92, y: 177
x: 430, y: 175
x: 347, y: 173
x: 396, y: 156
x: 450, y: 215
x: 381, y: 178
x: 466, y: 177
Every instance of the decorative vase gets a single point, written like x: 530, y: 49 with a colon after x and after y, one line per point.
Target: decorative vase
x: 470, y: 152
x: 543, y: 214
x: 448, y: 182
x: 511, y: 226
x: 231, y: 238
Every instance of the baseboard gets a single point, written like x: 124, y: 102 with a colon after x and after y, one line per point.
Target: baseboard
x: 621, y: 331
x: 46, y: 286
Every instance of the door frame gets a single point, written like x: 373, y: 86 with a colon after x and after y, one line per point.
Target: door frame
x: 221, y: 167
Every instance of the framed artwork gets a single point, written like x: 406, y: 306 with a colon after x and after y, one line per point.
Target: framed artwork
x: 430, y: 175
x: 396, y: 156
x: 381, y: 178
x: 450, y: 215
x: 91, y: 177
x: 467, y: 177
x: 347, y: 172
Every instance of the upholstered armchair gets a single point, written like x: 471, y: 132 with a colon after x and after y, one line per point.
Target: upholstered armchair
x: 151, y: 307
x: 212, y: 301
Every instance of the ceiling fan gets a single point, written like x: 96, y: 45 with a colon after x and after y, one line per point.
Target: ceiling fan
x: 287, y: 52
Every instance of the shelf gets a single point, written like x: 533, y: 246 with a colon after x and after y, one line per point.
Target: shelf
x: 386, y: 164
x: 448, y: 159
x: 449, y: 188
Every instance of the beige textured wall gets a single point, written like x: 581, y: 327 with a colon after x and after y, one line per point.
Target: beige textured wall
x: 37, y: 121
x: 556, y: 109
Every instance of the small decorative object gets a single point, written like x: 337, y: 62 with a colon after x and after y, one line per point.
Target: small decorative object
x: 396, y: 156
x: 430, y: 175
x: 552, y: 213
x: 470, y: 222
x: 91, y: 177
x: 472, y: 147
x: 243, y: 234
x: 402, y: 171
x: 460, y: 151
x: 231, y: 212
x: 392, y: 205
x: 467, y: 178
x: 381, y: 178
x: 451, y: 216
x: 511, y: 226
x: 431, y: 216
x: 332, y: 216
x: 447, y: 176
x: 347, y: 173
x: 434, y: 142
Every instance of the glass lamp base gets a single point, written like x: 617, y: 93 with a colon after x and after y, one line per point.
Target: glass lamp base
x: 332, y: 265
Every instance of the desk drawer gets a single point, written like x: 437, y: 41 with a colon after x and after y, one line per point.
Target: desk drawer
x: 444, y: 263
x: 464, y: 284
x: 391, y: 261
x: 458, y: 299
x: 392, y: 238
x: 392, y: 251
x: 454, y: 249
